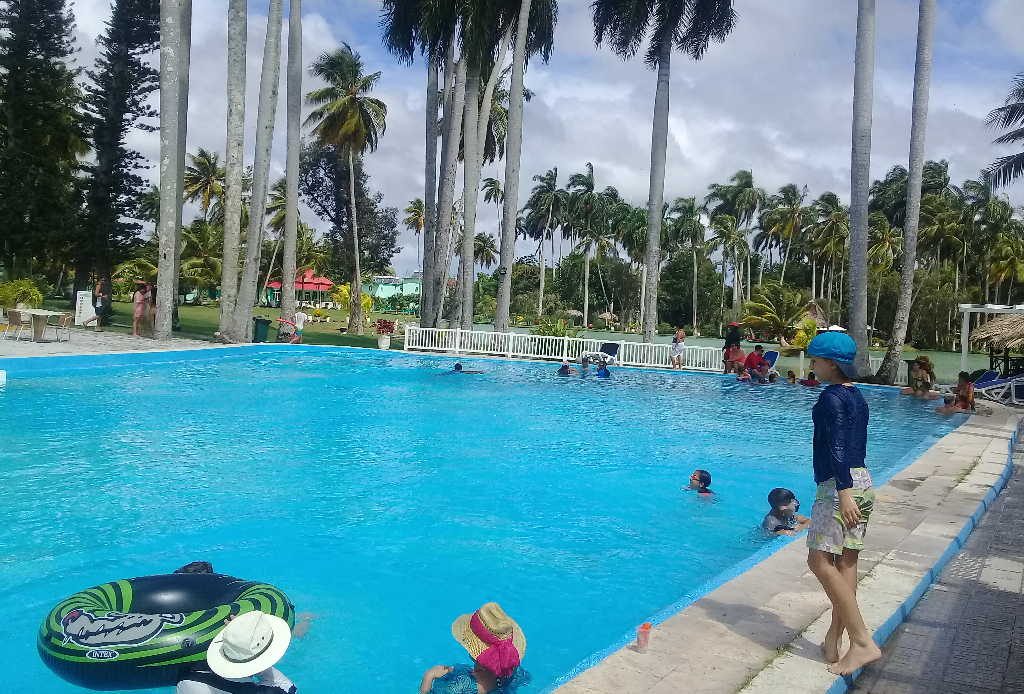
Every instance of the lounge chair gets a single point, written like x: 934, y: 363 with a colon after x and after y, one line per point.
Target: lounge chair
x: 772, y: 356
x: 18, y: 322
x: 1008, y: 391
x: 611, y: 351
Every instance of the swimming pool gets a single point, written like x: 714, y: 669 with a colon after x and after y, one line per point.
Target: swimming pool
x: 386, y: 496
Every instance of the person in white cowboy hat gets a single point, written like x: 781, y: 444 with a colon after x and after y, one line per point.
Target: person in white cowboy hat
x: 497, y: 646
x: 241, y: 657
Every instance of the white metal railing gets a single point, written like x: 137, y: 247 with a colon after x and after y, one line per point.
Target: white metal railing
x: 550, y: 348
x: 901, y: 371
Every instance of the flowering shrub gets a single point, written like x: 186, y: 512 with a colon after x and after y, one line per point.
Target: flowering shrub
x: 384, y: 327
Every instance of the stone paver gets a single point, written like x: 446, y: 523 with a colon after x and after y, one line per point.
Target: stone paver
x: 761, y: 632
x: 967, y: 633
x: 87, y: 341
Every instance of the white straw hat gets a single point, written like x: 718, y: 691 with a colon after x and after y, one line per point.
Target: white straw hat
x: 249, y: 644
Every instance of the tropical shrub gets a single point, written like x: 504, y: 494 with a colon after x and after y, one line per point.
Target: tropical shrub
x: 384, y: 326
x: 20, y: 292
x: 775, y: 311
x: 554, y: 328
x: 805, y: 333
x: 341, y: 295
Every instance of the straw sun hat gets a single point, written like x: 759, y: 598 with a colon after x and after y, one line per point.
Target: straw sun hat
x: 249, y: 644
x: 491, y: 638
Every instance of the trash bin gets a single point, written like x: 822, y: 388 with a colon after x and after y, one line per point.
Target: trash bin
x: 260, y: 328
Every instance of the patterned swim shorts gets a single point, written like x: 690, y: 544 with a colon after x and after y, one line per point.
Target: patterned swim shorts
x: 828, y: 533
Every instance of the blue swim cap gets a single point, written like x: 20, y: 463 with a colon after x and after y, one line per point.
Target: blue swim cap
x: 837, y: 346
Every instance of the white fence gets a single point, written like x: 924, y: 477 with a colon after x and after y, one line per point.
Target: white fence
x: 544, y: 347
x: 901, y: 371
x: 548, y: 348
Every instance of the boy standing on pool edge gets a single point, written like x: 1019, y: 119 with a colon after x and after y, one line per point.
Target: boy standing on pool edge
x: 844, y: 498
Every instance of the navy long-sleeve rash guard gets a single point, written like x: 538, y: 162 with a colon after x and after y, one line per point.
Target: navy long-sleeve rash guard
x: 840, y: 434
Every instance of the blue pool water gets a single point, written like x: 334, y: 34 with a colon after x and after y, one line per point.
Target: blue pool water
x: 386, y: 496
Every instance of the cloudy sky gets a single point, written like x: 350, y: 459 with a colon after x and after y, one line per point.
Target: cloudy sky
x: 775, y: 98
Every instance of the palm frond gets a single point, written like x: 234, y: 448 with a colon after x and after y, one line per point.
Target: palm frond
x: 1005, y: 169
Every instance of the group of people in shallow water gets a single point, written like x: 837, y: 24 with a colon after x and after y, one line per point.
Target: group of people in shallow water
x: 921, y: 379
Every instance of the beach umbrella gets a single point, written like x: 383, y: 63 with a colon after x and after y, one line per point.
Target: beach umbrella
x: 608, y: 316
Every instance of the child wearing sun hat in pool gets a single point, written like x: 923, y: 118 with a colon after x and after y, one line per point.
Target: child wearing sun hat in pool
x: 497, y: 646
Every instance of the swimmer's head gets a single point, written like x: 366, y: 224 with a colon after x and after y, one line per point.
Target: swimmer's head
x: 811, y: 376
x: 964, y: 377
x: 700, y: 479
x: 458, y: 366
x: 782, y: 499
x: 758, y: 348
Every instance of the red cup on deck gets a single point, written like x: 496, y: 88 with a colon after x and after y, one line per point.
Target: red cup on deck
x: 643, y: 636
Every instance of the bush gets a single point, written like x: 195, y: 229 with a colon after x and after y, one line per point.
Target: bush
x: 805, y: 333
x: 665, y: 329
x: 20, y: 292
x: 555, y: 328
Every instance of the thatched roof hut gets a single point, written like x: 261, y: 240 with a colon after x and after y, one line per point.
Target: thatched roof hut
x: 1002, y: 333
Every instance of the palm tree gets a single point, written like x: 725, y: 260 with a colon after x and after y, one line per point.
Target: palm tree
x: 201, y: 256
x: 352, y: 121
x: 830, y: 228
x: 547, y: 202
x: 485, y: 250
x: 726, y: 237
x: 293, y: 146
x: 689, y: 25
x: 234, y: 165
x: 586, y: 206
x: 175, y: 42
x: 513, y: 153
x: 204, y: 180
x: 277, y: 210
x: 776, y: 310
x: 918, y: 125
x: 265, y: 119
x: 886, y: 246
x: 415, y: 220
x: 689, y: 231
x: 860, y: 178
x: 1009, y: 115
x: 785, y: 218
x: 491, y: 188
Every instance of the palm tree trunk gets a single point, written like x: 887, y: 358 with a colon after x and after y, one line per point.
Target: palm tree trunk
x: 234, y: 164
x: 513, y: 153
x: 183, y: 75
x: 487, y: 97
x: 172, y: 62
x: 643, y: 292
x: 874, y: 315
x: 429, y: 191
x: 656, y: 196
x: 918, y: 126
x: 291, y: 201
x: 543, y: 264
x: 748, y: 277
x: 814, y: 273
x: 355, y: 311
x: 270, y: 271
x: 694, y: 297
x: 785, y: 260
x: 586, y: 289
x: 446, y: 193
x: 265, y: 119
x: 554, y: 265
x: 721, y: 306
x: 860, y: 176
x: 470, y: 191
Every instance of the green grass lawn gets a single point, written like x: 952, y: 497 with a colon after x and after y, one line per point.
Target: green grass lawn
x: 200, y: 322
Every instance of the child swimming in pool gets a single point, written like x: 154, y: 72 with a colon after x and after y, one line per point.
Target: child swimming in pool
x: 700, y: 480
x: 495, y: 643
x: 783, y: 518
x: 844, y: 499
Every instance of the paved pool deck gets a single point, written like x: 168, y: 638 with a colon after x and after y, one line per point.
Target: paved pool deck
x: 88, y: 341
x: 967, y: 633
x: 761, y: 632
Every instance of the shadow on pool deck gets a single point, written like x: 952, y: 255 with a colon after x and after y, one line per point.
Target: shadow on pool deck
x: 967, y: 633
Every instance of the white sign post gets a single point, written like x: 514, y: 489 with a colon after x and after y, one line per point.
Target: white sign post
x: 84, y: 309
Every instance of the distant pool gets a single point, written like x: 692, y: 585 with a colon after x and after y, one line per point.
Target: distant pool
x: 387, y: 496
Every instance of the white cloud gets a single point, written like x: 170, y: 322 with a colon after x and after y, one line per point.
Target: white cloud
x: 775, y: 98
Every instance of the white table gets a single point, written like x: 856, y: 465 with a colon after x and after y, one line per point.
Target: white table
x: 39, y: 319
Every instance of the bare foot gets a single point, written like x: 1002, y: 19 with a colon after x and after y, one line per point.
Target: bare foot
x: 856, y: 658
x: 830, y: 646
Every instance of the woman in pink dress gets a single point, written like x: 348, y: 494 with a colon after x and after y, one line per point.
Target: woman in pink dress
x: 140, y: 300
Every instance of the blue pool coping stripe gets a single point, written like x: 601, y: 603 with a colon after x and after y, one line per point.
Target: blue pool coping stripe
x: 888, y: 628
